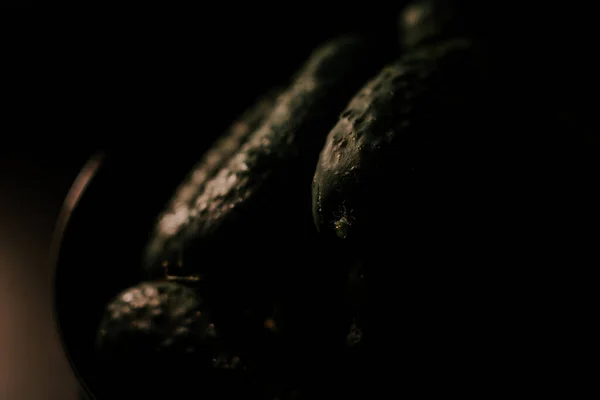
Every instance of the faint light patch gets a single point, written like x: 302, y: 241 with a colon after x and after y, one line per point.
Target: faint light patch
x: 343, y: 222
x: 139, y: 300
x: 171, y: 223
x: 228, y: 362
x: 150, y: 291
x: 179, y: 311
x: 155, y: 302
x: 211, y: 158
x: 198, y: 176
x: 281, y: 115
x: 217, y: 187
x: 127, y: 297
x: 82, y: 181
x: 240, y: 128
x: 412, y: 16
x: 354, y: 336
x: 240, y: 161
x: 185, y: 194
x: 181, y: 331
x: 141, y: 325
x: 270, y: 324
x: 231, y: 180
x: 308, y: 84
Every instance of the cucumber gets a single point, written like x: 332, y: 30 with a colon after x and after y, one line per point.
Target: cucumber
x: 249, y: 238
x: 258, y: 197
x: 219, y: 153
x: 407, y: 125
x: 458, y: 190
x: 385, y: 185
x: 157, y: 339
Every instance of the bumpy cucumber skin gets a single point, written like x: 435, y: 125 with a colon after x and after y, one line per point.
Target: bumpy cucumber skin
x: 217, y: 156
x: 156, y: 338
x: 250, y: 236
x: 261, y: 187
x: 166, y: 311
x: 453, y: 197
x: 408, y: 122
x: 404, y: 182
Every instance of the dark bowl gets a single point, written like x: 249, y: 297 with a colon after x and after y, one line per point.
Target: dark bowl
x: 99, y: 237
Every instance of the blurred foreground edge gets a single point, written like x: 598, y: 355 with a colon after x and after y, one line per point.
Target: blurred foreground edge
x: 80, y: 184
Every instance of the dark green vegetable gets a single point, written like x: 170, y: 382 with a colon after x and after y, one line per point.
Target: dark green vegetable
x: 264, y: 184
x: 215, y: 158
x: 283, y: 147
x: 384, y: 162
x: 453, y: 173
x: 455, y: 184
x: 157, y: 339
x: 398, y: 182
x: 248, y: 237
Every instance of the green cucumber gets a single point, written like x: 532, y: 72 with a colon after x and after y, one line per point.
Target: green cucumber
x: 216, y: 157
x: 248, y: 239
x: 258, y: 196
x: 402, y: 133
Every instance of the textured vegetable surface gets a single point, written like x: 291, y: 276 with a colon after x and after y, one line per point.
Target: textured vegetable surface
x: 453, y: 180
x: 247, y: 236
x: 257, y: 206
x: 397, y: 180
x: 157, y: 339
x: 218, y: 155
x: 168, y: 312
x: 281, y: 149
x: 457, y: 185
x: 404, y: 129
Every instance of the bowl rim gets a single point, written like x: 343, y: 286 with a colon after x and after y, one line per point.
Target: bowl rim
x: 74, y: 194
